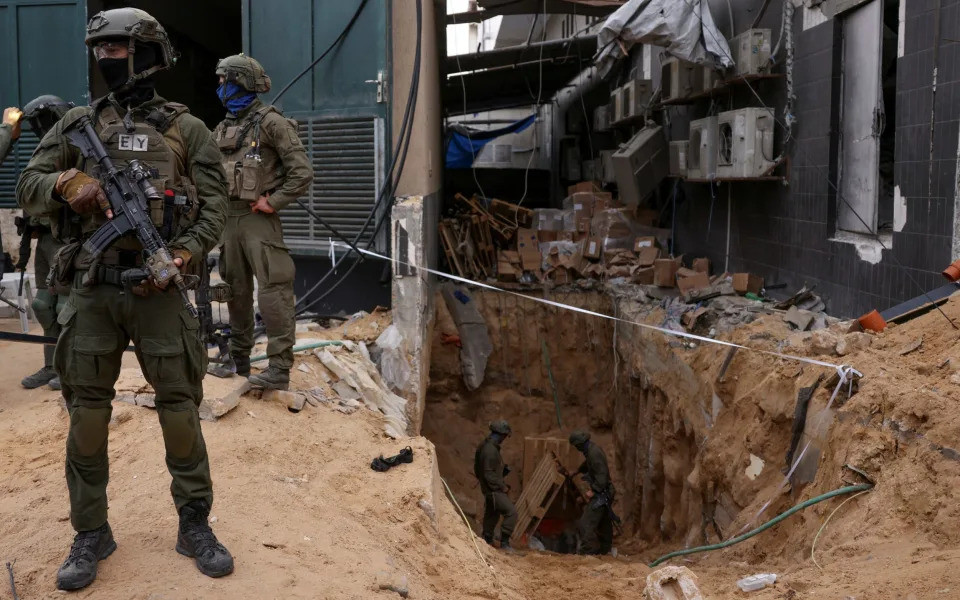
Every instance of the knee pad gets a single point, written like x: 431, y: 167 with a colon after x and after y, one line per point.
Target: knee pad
x: 88, y: 430
x: 44, y: 305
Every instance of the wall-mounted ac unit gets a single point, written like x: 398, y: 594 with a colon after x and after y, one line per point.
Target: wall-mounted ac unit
x: 709, y: 78
x: 751, y: 52
x: 745, y: 143
x: 635, y: 98
x: 641, y: 164
x: 703, y: 148
x: 678, y: 158
x: 601, y: 118
x: 679, y: 79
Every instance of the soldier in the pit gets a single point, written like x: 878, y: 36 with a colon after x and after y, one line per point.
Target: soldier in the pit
x: 101, y: 317
x: 596, y: 523
x: 267, y: 168
x: 41, y: 114
x: 490, y: 471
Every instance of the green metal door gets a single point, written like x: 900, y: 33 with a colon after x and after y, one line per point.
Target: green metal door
x: 41, y: 52
x: 342, y: 106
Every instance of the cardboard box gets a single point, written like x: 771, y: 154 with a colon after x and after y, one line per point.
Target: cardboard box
x: 644, y: 276
x: 745, y: 283
x: 528, y: 246
x: 647, y: 256
x: 585, y: 186
x: 685, y: 272
x: 645, y: 242
x: 665, y: 272
x: 701, y: 265
x: 566, y: 236
x: 593, y: 248
x: 697, y: 281
x: 548, y: 236
x: 647, y: 217
x: 583, y: 225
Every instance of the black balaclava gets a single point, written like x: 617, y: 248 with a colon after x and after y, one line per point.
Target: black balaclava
x: 116, y: 74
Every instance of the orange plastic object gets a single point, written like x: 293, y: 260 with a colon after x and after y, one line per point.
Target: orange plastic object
x: 952, y: 273
x: 872, y: 321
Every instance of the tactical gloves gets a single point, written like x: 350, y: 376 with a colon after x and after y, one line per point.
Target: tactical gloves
x: 82, y: 192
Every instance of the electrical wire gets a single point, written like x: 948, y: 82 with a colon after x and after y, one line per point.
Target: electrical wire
x: 588, y: 123
x: 826, y: 176
x: 463, y: 87
x: 403, y: 143
x: 533, y: 150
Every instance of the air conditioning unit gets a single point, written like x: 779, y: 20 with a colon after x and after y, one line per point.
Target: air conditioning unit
x: 745, y: 143
x: 616, y: 104
x: 641, y: 164
x: 751, y: 52
x: 635, y: 98
x: 678, y: 158
x: 607, y: 174
x: 679, y: 79
x: 703, y: 148
x: 709, y: 78
x: 601, y: 118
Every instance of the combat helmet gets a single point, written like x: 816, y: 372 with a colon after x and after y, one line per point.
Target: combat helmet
x: 137, y: 26
x: 43, y: 112
x: 501, y: 427
x: 579, y: 438
x: 246, y: 72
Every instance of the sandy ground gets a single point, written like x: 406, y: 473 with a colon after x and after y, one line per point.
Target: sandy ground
x: 305, y: 517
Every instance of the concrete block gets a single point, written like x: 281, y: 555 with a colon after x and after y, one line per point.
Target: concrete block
x: 294, y: 401
x: 220, y: 396
x: 853, y: 342
x: 672, y: 583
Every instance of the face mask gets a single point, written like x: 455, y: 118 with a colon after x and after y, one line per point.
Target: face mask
x: 114, y: 72
x: 234, y: 98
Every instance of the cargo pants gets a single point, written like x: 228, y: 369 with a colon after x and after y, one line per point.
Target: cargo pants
x: 495, y: 505
x: 46, y: 305
x: 98, y: 323
x: 253, y: 247
x: 595, y: 528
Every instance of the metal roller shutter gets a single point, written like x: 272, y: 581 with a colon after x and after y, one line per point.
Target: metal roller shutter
x: 11, y: 167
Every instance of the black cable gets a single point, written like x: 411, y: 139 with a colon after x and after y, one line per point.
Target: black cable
x: 320, y: 220
x: 333, y: 45
x: 832, y: 185
x: 391, y: 183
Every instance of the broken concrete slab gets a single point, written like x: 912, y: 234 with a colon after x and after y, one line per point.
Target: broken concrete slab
x: 343, y: 389
x: 361, y: 375
x: 801, y: 319
x: 853, y: 342
x: 672, y: 583
x: 294, y: 401
x: 220, y: 396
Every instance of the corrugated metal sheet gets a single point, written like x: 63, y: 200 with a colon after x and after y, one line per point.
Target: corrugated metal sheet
x: 347, y: 159
x: 10, y: 169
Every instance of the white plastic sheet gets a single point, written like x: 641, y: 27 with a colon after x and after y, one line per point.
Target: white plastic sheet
x: 685, y: 28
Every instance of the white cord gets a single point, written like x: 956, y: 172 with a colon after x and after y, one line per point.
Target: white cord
x: 463, y: 86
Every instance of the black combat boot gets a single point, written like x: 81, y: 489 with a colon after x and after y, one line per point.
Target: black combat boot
x: 89, y: 547
x: 242, y: 361
x: 272, y: 379
x: 41, y: 377
x: 196, y: 540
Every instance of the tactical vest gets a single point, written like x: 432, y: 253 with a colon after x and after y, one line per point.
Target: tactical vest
x: 153, y: 138
x: 249, y: 177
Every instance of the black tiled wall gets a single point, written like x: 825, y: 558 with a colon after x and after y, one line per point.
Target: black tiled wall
x: 783, y: 233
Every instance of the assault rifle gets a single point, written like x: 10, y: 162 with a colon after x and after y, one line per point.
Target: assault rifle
x: 129, y: 193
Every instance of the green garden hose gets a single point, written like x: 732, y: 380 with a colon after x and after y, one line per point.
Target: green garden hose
x: 840, y: 492
x: 300, y: 349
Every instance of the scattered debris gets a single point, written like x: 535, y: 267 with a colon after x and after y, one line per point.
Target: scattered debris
x: 912, y: 347
x: 394, y: 365
x: 756, y: 582
x: 274, y: 545
x: 755, y: 468
x: 220, y: 395
x: 393, y: 582
x: 361, y: 375
x: 672, y: 583
x: 13, y: 584
x: 385, y: 464
x: 853, y: 342
x: 800, y: 319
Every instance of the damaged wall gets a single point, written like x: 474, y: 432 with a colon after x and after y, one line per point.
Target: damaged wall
x: 787, y: 234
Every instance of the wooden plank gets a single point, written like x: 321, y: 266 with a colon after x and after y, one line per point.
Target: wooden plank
x: 534, y: 447
x: 537, y: 496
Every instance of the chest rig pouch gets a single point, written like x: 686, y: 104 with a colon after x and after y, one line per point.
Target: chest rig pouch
x: 247, y: 175
x: 153, y: 138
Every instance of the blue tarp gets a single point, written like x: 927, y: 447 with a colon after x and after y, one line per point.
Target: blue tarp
x: 463, y: 144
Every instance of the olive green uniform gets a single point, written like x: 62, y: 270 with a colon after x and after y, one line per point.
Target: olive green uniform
x: 596, y: 523
x: 6, y: 141
x: 100, y: 317
x: 488, y: 467
x: 253, y: 242
x: 46, y: 305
